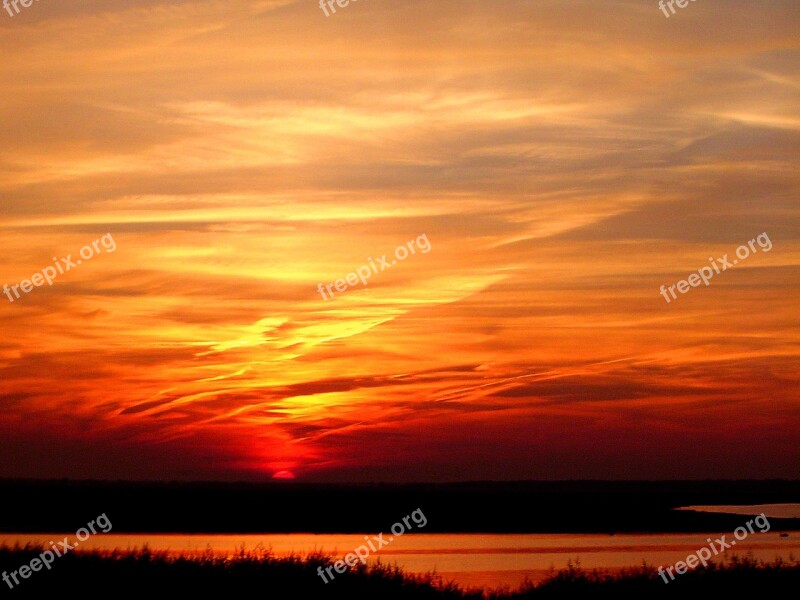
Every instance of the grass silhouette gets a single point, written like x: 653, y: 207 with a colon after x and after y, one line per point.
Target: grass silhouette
x: 105, y: 574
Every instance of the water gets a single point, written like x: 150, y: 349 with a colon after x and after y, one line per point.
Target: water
x: 482, y: 560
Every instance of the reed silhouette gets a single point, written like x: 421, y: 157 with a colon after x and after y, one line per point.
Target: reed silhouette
x: 104, y: 574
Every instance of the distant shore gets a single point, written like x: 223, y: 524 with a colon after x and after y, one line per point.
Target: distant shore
x: 474, y: 507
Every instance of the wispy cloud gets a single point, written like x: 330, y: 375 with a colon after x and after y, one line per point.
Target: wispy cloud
x: 565, y: 160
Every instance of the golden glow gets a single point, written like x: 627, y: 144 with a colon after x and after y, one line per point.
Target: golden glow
x: 564, y: 160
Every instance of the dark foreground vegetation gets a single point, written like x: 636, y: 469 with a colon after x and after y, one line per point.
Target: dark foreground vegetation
x: 112, y: 574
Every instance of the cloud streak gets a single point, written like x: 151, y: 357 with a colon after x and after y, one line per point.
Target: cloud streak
x: 564, y: 159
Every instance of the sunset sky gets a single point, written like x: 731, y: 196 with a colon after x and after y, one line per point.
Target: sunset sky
x: 564, y: 159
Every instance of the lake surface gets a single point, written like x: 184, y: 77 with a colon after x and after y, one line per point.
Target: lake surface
x: 482, y: 560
